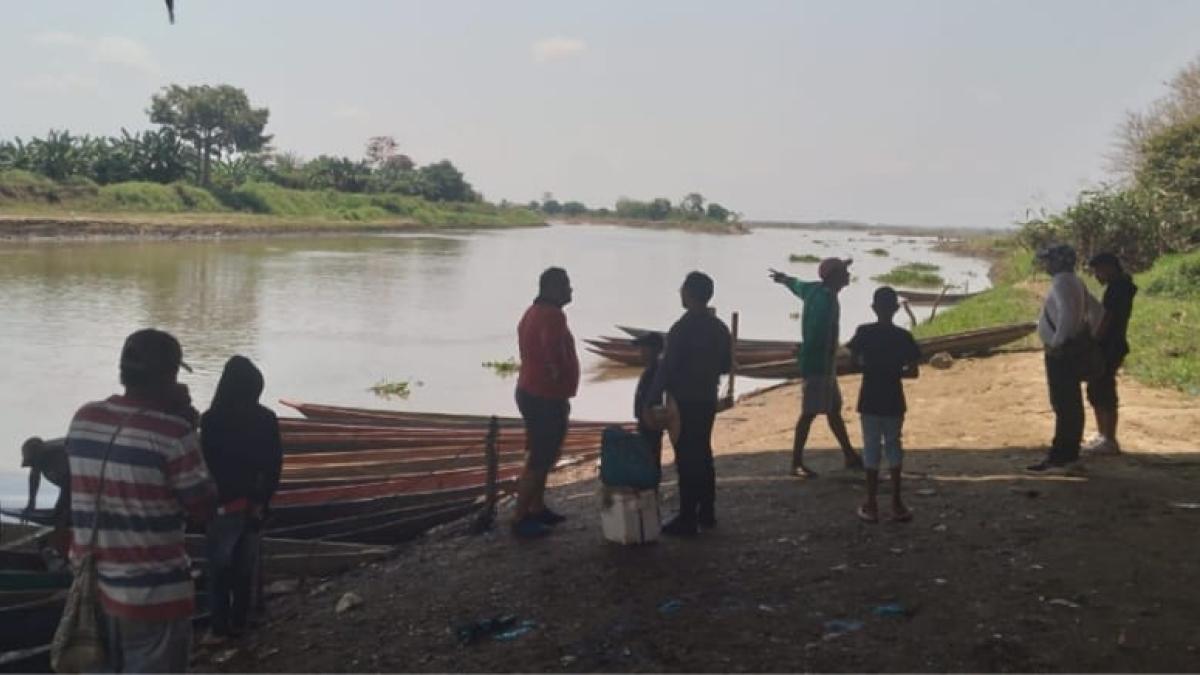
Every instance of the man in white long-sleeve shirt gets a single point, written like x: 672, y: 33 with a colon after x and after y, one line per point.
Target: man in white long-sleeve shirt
x: 1064, y: 318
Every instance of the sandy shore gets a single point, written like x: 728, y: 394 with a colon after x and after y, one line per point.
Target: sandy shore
x: 1000, y: 571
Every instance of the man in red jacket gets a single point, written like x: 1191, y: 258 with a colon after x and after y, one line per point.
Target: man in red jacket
x: 549, y: 379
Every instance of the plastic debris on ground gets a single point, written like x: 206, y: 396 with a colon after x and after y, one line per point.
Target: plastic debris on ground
x: 347, y: 602
x: 891, y: 609
x: 835, y: 628
x: 670, y: 606
x: 1063, y: 602
x: 515, y: 632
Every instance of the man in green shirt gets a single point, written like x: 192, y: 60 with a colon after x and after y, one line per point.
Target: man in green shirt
x: 818, y: 358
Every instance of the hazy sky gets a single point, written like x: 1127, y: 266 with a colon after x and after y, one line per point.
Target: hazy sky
x: 947, y: 113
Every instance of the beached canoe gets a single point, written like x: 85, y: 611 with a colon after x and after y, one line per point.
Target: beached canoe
x: 930, y: 297
x: 742, y: 343
x: 283, y: 516
x: 294, y: 557
x: 626, y: 353
x: 400, y: 418
x: 956, y: 344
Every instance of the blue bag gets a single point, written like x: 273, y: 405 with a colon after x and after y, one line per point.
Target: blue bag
x: 627, y: 461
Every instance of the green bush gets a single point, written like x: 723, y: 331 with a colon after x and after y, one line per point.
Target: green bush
x: 154, y: 198
x: 17, y: 185
x: 1174, y: 276
x: 994, y: 307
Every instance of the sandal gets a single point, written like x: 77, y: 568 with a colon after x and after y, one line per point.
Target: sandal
x: 801, y: 471
x: 867, y: 516
x: 902, y: 516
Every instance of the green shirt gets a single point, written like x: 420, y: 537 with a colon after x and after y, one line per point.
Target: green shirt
x: 818, y: 327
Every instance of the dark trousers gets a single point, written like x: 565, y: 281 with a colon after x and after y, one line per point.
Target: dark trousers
x: 233, y: 563
x: 694, y: 459
x: 1066, y: 399
x: 653, y: 440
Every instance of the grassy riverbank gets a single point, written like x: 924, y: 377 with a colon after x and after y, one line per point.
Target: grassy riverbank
x: 1162, y: 330
x: 261, y: 206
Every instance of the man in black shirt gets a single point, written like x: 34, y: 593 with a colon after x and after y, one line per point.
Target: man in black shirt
x: 698, y: 353
x: 1118, y: 306
x: 886, y: 353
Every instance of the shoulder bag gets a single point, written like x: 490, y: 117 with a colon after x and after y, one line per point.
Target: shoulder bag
x: 78, y: 644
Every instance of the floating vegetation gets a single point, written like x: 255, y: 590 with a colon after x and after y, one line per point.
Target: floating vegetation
x: 879, y: 252
x: 804, y: 258
x: 506, y: 368
x: 921, y: 267
x: 389, y: 389
x: 913, y: 274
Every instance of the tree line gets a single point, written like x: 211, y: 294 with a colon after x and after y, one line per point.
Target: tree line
x: 1152, y: 208
x: 212, y: 136
x: 692, y: 207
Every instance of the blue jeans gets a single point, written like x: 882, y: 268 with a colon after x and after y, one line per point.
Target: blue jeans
x: 233, y: 549
x: 881, y: 435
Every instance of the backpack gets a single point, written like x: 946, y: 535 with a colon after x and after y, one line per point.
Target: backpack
x: 627, y: 461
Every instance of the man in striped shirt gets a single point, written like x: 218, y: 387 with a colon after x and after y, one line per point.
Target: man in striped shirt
x: 142, y: 453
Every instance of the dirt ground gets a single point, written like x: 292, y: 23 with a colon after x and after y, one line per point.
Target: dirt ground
x: 1000, y: 571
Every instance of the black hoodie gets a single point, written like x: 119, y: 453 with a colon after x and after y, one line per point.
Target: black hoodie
x: 240, y: 437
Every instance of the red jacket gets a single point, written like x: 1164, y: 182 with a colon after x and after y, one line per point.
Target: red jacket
x: 549, y: 365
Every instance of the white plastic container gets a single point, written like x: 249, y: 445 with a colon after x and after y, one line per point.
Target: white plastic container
x: 629, y: 516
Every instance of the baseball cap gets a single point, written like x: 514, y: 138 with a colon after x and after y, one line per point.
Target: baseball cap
x: 1058, y: 253
x: 830, y: 266
x: 152, y: 350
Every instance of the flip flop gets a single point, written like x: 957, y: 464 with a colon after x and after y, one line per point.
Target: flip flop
x: 803, y: 472
x: 866, y: 516
x: 903, y: 516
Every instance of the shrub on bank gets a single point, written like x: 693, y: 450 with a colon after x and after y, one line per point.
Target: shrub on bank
x: 1174, y: 276
x: 154, y: 198
x: 17, y: 185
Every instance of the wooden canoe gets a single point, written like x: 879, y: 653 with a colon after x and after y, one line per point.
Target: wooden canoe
x: 299, y: 514
x: 386, y: 527
x: 928, y: 297
x: 742, y: 343
x: 416, y: 419
x: 348, y: 464
x: 395, y: 485
x: 956, y: 344
x: 630, y: 358
x: 341, y: 524
x: 293, y: 557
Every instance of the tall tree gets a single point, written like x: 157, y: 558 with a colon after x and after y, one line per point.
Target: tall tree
x: 1180, y: 104
x: 215, y: 120
x: 692, y: 204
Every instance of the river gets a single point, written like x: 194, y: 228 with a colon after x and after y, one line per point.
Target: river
x: 327, y: 317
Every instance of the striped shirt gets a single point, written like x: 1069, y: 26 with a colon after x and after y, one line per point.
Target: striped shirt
x: 155, y: 477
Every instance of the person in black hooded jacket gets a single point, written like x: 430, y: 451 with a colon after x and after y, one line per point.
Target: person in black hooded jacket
x: 244, y: 453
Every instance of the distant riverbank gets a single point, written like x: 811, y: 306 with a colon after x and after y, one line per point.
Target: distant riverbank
x: 202, y: 226
x: 699, y: 226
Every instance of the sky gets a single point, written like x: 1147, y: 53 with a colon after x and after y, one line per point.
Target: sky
x: 920, y: 112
